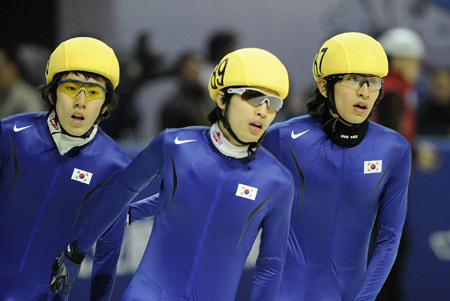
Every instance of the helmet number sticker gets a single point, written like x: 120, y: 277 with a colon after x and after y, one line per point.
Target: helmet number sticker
x: 318, y: 68
x: 218, y: 74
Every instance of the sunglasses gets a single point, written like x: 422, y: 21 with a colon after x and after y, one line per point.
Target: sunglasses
x: 356, y: 81
x: 73, y: 87
x: 258, y: 97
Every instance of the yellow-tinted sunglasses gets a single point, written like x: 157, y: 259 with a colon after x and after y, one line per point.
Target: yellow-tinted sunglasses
x: 73, y: 87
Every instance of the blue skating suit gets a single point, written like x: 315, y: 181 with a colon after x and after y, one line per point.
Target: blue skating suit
x: 339, y: 195
x: 210, y: 210
x: 40, y: 202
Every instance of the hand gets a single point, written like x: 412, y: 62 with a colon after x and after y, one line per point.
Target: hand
x: 65, y: 269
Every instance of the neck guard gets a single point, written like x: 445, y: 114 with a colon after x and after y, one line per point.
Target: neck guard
x: 342, y: 134
x: 224, y: 146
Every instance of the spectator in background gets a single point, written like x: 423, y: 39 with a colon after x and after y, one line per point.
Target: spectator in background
x: 190, y: 103
x: 33, y: 59
x: 434, y: 110
x: 218, y: 45
x: 16, y: 95
x: 405, y: 50
x: 143, y: 66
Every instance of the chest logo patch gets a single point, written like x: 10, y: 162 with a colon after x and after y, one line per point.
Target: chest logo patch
x: 81, y: 176
x: 295, y: 136
x: 247, y: 192
x: 374, y: 166
x: 16, y: 129
x: 178, y: 141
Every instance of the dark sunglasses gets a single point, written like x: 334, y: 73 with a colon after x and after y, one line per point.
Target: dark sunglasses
x: 258, y: 97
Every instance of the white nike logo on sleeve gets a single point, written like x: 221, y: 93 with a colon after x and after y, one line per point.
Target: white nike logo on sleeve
x: 16, y: 129
x: 295, y: 136
x: 177, y: 141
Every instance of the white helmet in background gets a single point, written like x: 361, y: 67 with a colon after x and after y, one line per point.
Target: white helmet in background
x: 402, y: 42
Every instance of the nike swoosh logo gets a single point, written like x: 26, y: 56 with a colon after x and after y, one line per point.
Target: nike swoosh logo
x: 177, y: 141
x: 16, y: 129
x: 295, y: 136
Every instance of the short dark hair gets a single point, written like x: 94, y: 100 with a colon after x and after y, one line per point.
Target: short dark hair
x: 10, y: 54
x: 183, y: 60
x: 216, y: 113
x: 48, y: 92
x: 317, y: 104
x: 221, y: 43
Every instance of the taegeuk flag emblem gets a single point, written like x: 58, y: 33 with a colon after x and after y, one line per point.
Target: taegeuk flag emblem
x: 374, y: 166
x: 247, y: 192
x: 81, y: 176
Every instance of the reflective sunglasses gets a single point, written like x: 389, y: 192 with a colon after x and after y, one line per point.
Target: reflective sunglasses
x: 356, y: 81
x: 258, y: 97
x: 73, y: 87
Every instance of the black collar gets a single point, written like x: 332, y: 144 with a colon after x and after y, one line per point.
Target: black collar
x: 342, y: 134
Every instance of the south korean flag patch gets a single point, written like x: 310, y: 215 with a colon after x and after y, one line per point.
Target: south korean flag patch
x: 374, y: 166
x: 247, y: 192
x: 81, y: 176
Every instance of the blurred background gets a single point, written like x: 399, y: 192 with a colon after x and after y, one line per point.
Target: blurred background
x: 167, y: 50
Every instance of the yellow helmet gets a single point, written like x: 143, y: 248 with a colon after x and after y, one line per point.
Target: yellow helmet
x: 250, y: 67
x: 350, y: 52
x: 84, y: 54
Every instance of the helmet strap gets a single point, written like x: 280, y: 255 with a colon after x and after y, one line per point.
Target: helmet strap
x: 252, y: 146
x: 63, y: 130
x: 332, y: 106
x: 66, y: 143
